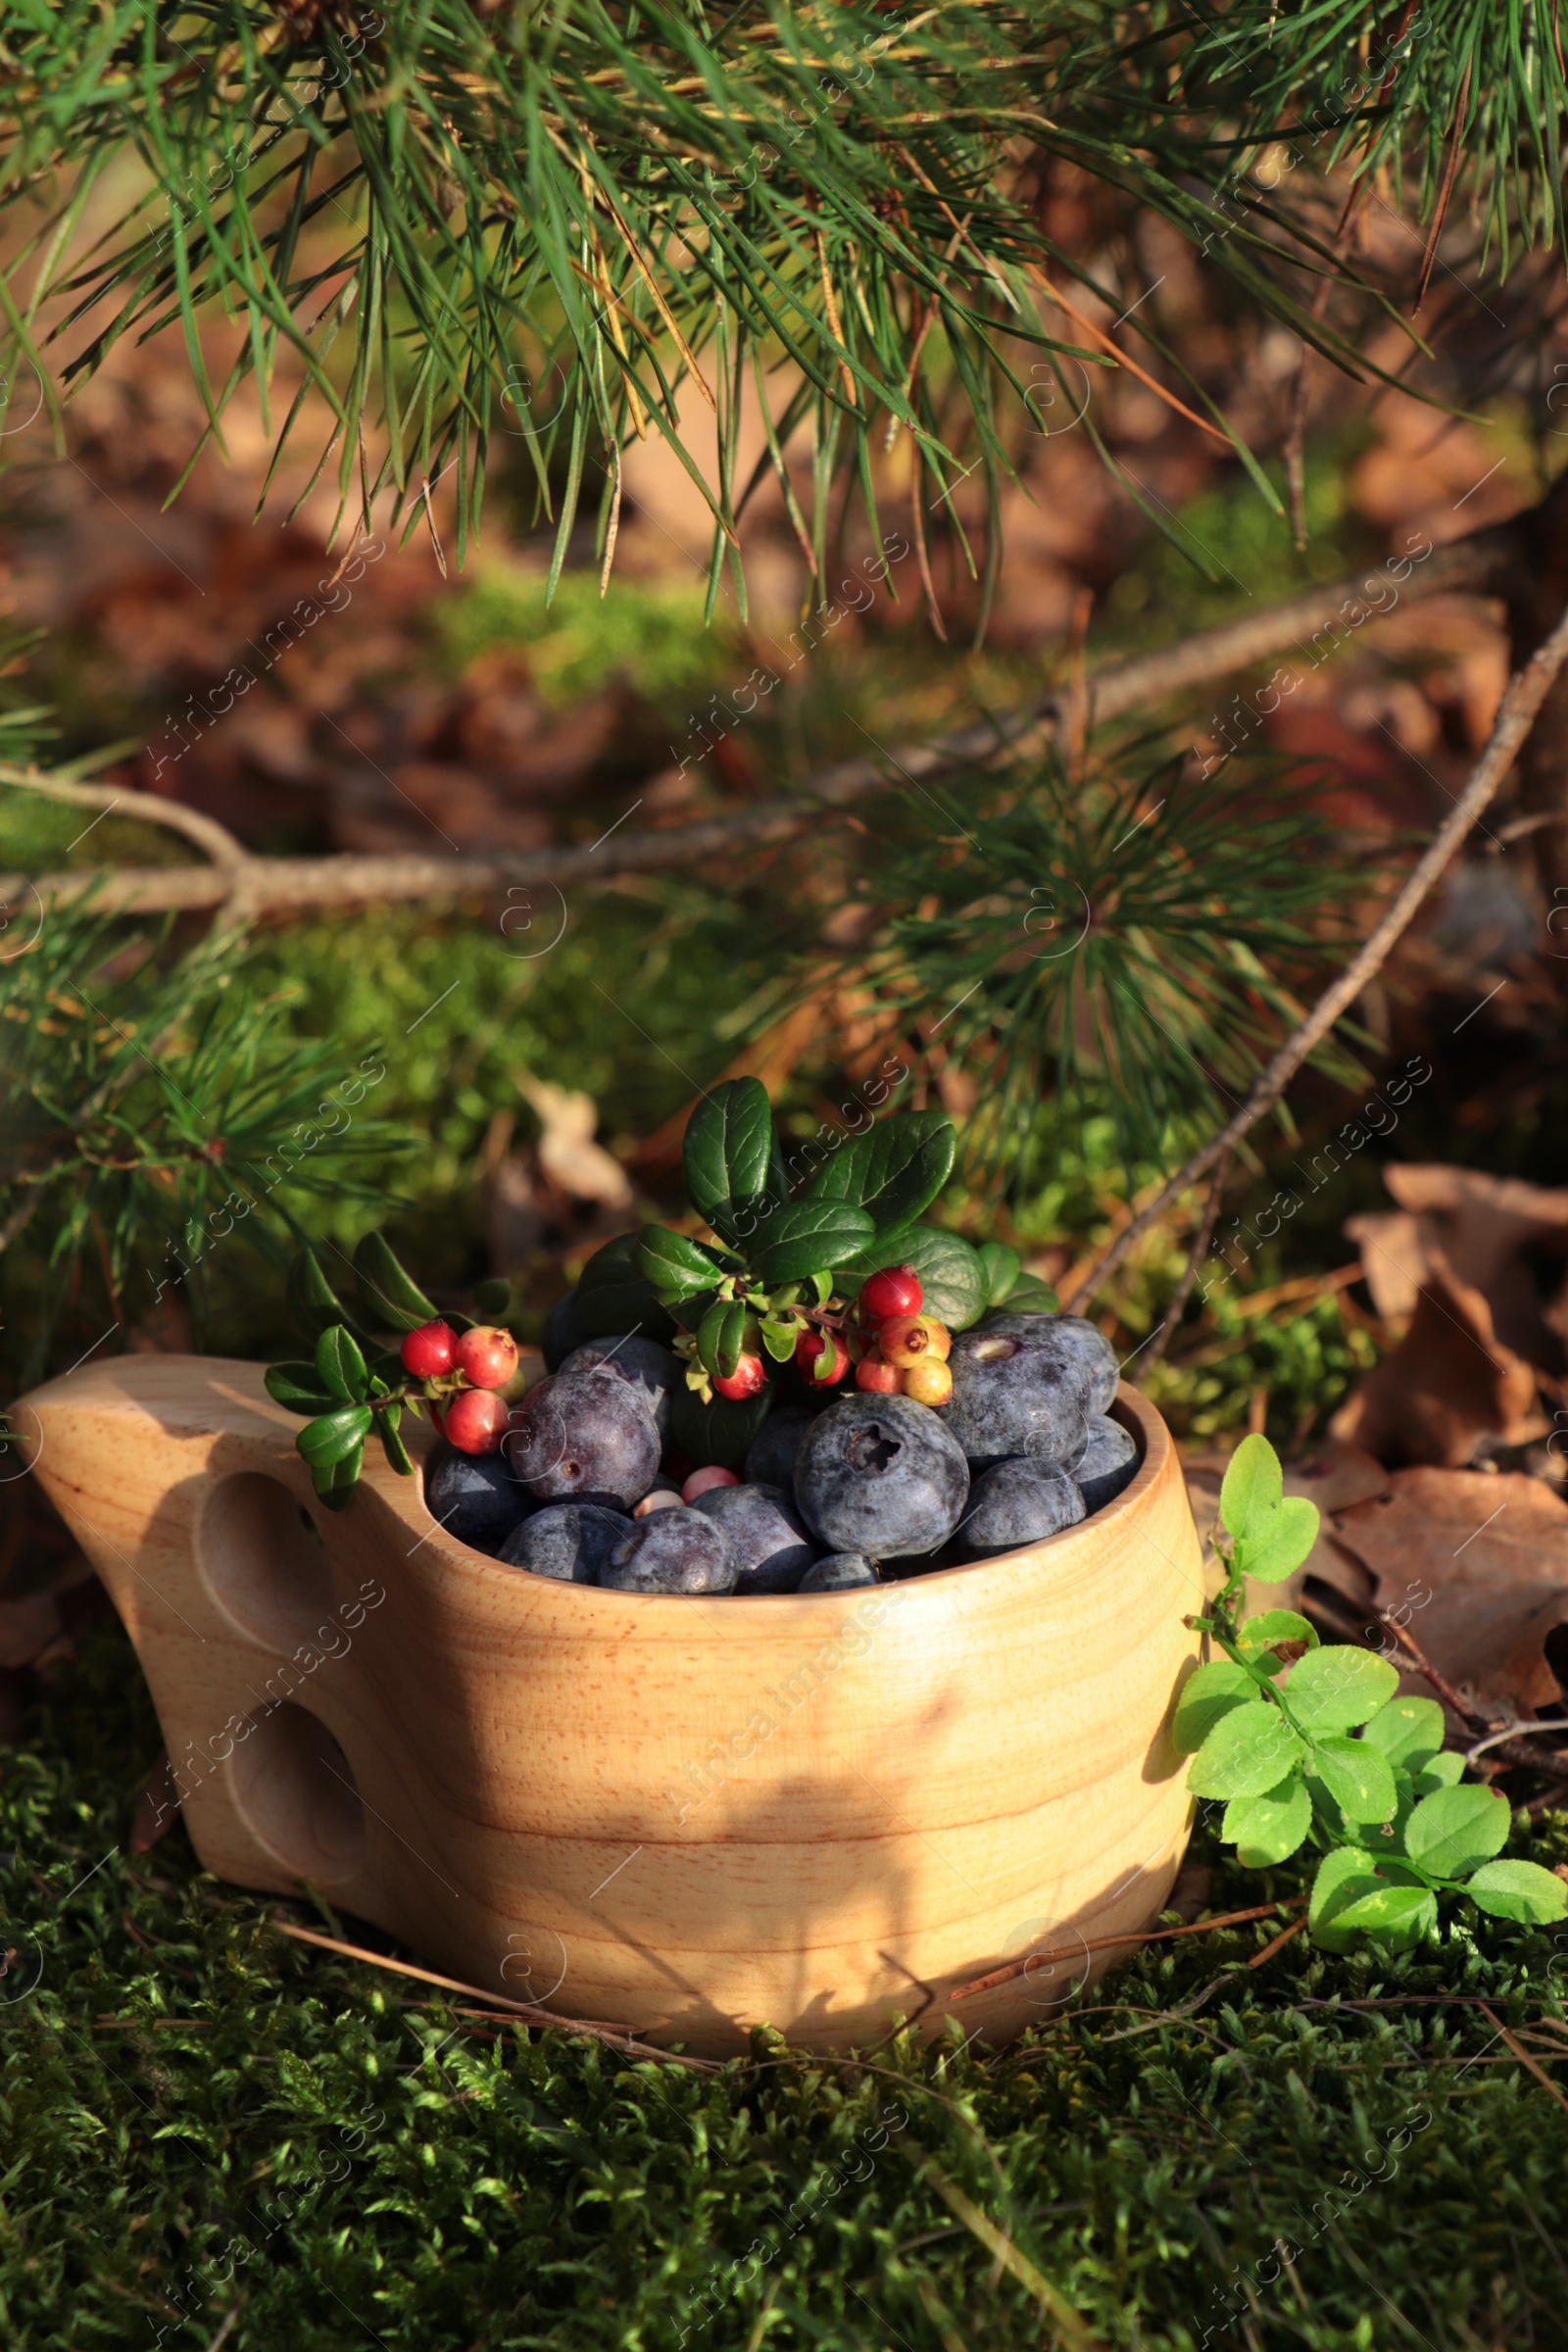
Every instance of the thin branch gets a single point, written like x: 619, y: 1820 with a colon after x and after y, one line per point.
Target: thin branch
x: 247, y: 887
x: 1195, y: 1258
x: 1527, y: 691
x: 1111, y: 1944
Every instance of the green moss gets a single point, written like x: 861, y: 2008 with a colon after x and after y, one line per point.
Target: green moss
x: 650, y: 633
x: 202, y: 2119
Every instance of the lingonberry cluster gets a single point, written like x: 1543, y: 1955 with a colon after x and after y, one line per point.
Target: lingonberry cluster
x: 462, y: 1374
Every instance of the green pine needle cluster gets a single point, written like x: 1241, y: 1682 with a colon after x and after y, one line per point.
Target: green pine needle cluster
x: 582, y: 225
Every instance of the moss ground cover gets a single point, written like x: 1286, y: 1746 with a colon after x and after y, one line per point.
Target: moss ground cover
x: 208, y: 2127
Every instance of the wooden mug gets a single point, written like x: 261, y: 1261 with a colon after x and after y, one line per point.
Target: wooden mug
x: 689, y: 1816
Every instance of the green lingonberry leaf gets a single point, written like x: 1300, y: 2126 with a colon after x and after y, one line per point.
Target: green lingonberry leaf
x: 340, y: 1366
x: 392, y: 1296
x: 298, y: 1388
x: 614, y: 1295
x: 733, y: 1167
x: 1029, y: 1296
x: 335, y: 1482
x: 894, y: 1171
x: 1249, y: 1749
x: 1267, y: 1829
x: 335, y: 1435
x: 678, y: 1267
x: 1359, y: 1777
x: 1333, y: 1690
x: 1449, y: 1833
x: 779, y: 1338
x: 1207, y: 1694
x: 1520, y: 1890
x: 720, y: 1336
x: 392, y: 1446
x: 1407, y: 1730
x: 808, y: 1237
x: 315, y: 1305
x: 1001, y: 1268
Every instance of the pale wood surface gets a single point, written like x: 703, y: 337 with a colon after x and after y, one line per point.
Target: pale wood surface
x: 689, y: 1816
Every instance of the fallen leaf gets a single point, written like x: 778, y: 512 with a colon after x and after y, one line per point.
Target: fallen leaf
x: 567, y: 1153
x: 1449, y: 1386
x: 1476, y: 1566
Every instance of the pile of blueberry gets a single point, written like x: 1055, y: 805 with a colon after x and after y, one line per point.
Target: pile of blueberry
x: 953, y: 1447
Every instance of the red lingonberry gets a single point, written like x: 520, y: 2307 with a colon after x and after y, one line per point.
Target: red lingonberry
x: 487, y: 1355
x: 895, y: 1291
x: 749, y: 1375
x: 812, y: 1358
x: 907, y: 1340
x: 430, y: 1352
x: 476, y: 1421
x: 929, y: 1382
x: 875, y: 1373
x: 701, y: 1480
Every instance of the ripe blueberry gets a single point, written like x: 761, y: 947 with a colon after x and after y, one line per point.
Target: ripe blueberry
x: 1010, y: 1399
x: 1016, y: 1503
x: 1108, y: 1463
x: 838, y: 1572
x: 672, y: 1551
x: 476, y: 1421
x: 771, y: 1459
x: 562, y: 1332
x: 895, y: 1291
x: 569, y: 1542
x: 1084, y: 1354
x: 430, y: 1352
x: 644, y: 1363
x: 768, y: 1544
x: 881, y: 1475
x: 580, y: 1437
x: 476, y: 1499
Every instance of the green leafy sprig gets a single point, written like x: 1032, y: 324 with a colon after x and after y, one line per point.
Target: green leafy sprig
x: 1330, y: 1753
x: 353, y: 1386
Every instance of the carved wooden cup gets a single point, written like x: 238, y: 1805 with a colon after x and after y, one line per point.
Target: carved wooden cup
x: 687, y: 1816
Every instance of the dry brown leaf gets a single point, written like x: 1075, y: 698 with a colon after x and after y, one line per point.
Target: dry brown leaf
x: 567, y: 1153
x: 1476, y: 1566
x: 1449, y: 1386
x: 1482, y: 1225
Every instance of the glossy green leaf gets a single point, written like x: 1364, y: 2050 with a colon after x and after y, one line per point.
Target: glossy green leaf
x: 1266, y: 1829
x: 779, y: 1339
x: 298, y: 1388
x: 720, y: 1335
x: 729, y: 1151
x: 392, y: 1446
x: 1407, y: 1729
x: 333, y: 1437
x: 1000, y: 1266
x: 1344, y: 1877
x: 1520, y: 1890
x: 315, y: 1303
x: 1029, y: 1296
x: 893, y: 1172
x: 1449, y: 1833
x: 1332, y: 1690
x: 392, y: 1298
x: 1208, y: 1693
x: 1359, y: 1779
x: 810, y: 1236
x: 335, y: 1482
x: 678, y: 1267
x: 951, y: 1273
x: 339, y: 1365
x: 1249, y: 1751
x: 1384, y: 1836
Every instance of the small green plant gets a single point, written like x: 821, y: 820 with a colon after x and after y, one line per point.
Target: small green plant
x: 1331, y: 1753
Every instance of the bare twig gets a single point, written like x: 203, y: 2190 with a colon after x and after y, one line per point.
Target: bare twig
x: 1195, y: 1258
x: 245, y: 887
x: 1109, y: 1943
x: 1523, y: 2055
x: 1527, y: 691
x: 525, y: 2012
